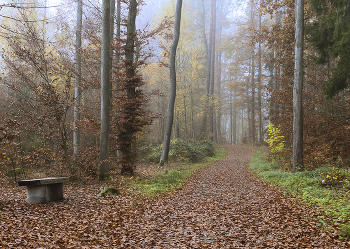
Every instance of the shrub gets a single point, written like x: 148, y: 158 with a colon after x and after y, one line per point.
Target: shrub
x: 276, y: 141
x: 180, y: 151
x: 205, y: 147
x: 277, y: 146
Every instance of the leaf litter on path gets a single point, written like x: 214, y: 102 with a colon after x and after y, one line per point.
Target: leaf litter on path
x: 222, y: 206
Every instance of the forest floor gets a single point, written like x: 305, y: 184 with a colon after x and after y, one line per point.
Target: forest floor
x: 222, y: 206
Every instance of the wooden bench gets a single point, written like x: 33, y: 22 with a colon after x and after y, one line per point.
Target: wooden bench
x: 44, y: 190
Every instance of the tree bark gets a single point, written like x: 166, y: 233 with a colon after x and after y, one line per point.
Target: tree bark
x: 298, y: 88
x: 117, y: 59
x: 252, y: 113
x: 118, y: 19
x: 218, y: 116
x: 111, y: 52
x: 259, y: 92
x: 218, y: 119
x: 172, y: 96
x: 77, y: 92
x: 127, y: 164
x: 231, y: 119
x: 212, y: 70
x: 203, y: 30
x: 208, y: 75
x: 274, y: 82
x: 105, y: 91
x: 234, y: 123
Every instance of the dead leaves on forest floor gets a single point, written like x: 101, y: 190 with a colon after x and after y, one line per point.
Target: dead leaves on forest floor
x: 223, y: 206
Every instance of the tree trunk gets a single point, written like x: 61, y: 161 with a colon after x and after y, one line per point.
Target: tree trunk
x: 105, y: 91
x: 234, y: 123
x: 203, y: 30
x: 208, y: 75
x: 252, y: 113
x: 275, y: 75
x: 231, y: 119
x: 212, y: 72
x: 242, y: 124
x: 252, y: 110
x: 172, y: 96
x: 118, y: 19
x: 218, y: 119
x: 219, y: 77
x: 259, y: 92
x: 117, y: 59
x: 249, y: 103
x: 127, y: 164
x: 77, y: 93
x: 298, y: 88
x: 111, y: 52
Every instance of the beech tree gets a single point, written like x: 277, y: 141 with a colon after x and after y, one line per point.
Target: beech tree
x: 298, y: 88
x: 105, y: 90
x: 252, y: 105
x: 172, y: 95
x: 77, y: 95
x: 260, y: 124
x: 128, y: 128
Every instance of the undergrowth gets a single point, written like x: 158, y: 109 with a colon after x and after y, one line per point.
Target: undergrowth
x: 170, y: 180
x: 325, y: 188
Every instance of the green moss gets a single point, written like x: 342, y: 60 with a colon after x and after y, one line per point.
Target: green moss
x: 109, y: 191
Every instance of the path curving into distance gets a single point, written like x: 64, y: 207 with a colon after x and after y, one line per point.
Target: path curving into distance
x: 224, y: 206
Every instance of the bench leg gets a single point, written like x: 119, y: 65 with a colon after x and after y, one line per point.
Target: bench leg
x: 36, y: 194
x: 45, y: 193
x: 54, y: 192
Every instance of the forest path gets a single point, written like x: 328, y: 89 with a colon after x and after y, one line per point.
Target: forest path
x: 225, y: 206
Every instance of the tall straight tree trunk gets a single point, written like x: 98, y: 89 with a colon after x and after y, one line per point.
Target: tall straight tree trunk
x: 298, y: 88
x: 208, y: 75
x: 259, y: 92
x: 212, y: 75
x: 105, y: 90
x: 192, y: 115
x: 111, y: 38
x: 118, y: 19
x: 77, y: 92
x: 219, y: 76
x: 253, y: 81
x: 218, y: 116
x: 242, y: 124
x: 275, y: 78
x: 231, y: 119
x: 203, y: 29
x: 127, y: 164
x: 234, y: 128
x: 207, y: 59
x: 117, y: 59
x: 249, y: 102
x: 172, y: 96
x: 252, y: 110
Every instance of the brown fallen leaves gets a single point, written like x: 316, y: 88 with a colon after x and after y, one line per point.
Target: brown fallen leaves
x: 223, y: 206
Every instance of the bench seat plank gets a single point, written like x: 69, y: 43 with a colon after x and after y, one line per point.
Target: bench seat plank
x: 43, y: 181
